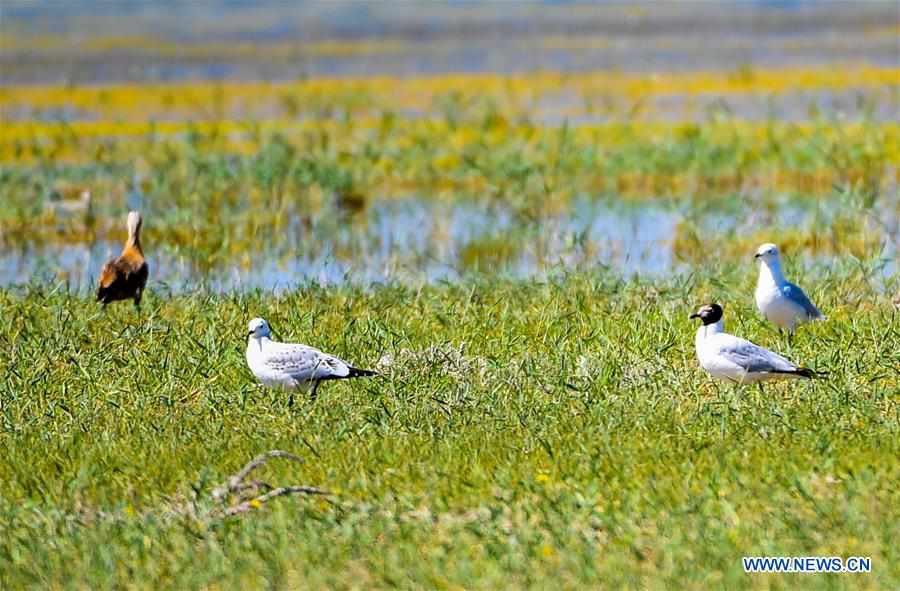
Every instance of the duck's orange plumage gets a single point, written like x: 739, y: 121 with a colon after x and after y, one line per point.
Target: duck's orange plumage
x: 124, y: 277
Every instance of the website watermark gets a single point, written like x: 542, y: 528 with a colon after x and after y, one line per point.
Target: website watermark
x: 807, y: 564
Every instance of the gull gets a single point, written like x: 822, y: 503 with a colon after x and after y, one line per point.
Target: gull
x: 293, y: 366
x: 124, y: 277
x: 68, y: 208
x: 736, y: 360
x: 779, y: 300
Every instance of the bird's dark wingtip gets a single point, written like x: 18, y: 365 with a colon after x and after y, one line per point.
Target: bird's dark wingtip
x: 810, y: 373
x: 355, y: 372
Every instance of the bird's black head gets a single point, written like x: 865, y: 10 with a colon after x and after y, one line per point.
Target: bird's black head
x: 708, y: 314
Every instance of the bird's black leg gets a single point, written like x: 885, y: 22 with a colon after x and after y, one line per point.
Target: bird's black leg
x: 313, y: 393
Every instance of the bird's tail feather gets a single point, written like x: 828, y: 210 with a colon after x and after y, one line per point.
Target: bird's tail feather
x: 805, y: 372
x: 355, y: 372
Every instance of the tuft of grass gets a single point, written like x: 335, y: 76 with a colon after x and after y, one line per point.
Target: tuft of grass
x: 521, y: 431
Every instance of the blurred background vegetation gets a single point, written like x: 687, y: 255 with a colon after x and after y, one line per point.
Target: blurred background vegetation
x: 377, y: 142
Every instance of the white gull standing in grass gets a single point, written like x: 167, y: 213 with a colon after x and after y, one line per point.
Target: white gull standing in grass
x: 291, y: 366
x: 778, y: 300
x: 736, y: 360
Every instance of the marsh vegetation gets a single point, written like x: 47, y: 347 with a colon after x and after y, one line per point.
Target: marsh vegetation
x: 517, y: 254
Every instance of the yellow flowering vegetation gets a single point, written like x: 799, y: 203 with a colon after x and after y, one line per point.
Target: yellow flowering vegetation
x: 448, y: 137
x: 513, y: 95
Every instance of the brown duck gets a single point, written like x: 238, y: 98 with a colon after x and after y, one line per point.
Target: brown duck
x: 124, y: 277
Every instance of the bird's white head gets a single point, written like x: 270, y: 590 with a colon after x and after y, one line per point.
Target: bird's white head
x: 258, y: 328
x: 767, y: 253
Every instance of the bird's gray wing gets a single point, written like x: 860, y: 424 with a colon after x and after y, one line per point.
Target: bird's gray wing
x: 796, y: 295
x: 329, y: 367
x: 753, y: 358
x: 305, y: 364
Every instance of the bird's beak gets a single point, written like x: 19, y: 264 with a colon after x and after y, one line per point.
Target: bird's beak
x: 756, y: 256
x: 250, y: 334
x: 694, y: 315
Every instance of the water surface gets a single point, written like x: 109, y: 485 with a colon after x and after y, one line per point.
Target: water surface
x: 407, y: 241
x: 417, y: 240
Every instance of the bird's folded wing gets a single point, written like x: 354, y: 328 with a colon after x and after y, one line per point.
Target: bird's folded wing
x: 753, y: 358
x: 108, y: 274
x: 330, y: 366
x: 305, y: 363
x: 796, y: 295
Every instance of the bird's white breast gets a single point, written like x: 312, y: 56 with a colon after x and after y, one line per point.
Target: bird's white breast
x: 772, y: 302
x: 776, y: 307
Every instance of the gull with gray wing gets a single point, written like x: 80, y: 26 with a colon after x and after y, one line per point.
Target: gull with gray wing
x: 292, y: 366
x: 779, y: 300
x: 736, y: 360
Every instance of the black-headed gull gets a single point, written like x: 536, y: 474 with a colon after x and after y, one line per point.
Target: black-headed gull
x: 778, y: 300
x: 737, y: 360
x: 292, y: 366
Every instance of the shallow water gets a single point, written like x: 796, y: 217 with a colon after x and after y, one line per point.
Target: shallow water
x: 416, y: 241
x: 407, y: 241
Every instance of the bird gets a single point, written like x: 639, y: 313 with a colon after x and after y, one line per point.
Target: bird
x: 68, y: 208
x: 778, y: 300
x: 736, y: 360
x: 293, y: 366
x: 125, y: 276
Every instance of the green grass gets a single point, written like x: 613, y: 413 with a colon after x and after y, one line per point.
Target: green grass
x: 524, y: 434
